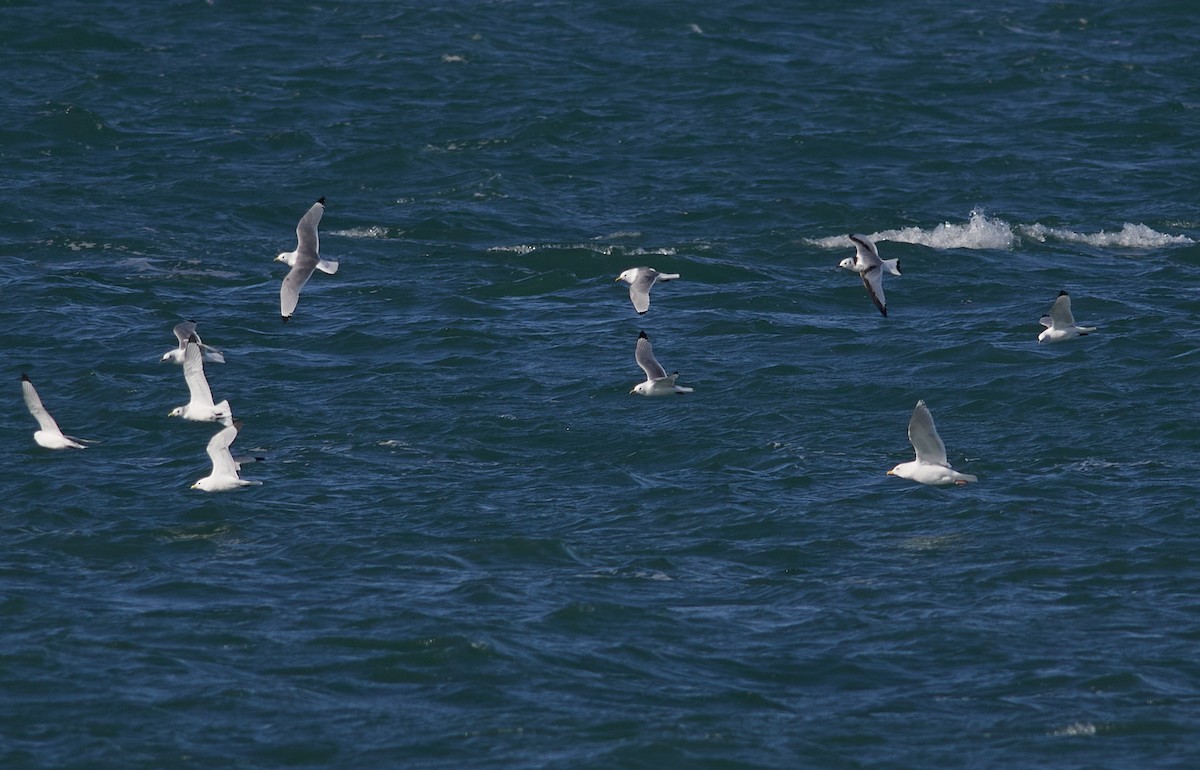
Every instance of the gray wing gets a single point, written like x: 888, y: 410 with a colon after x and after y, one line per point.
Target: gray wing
x: 218, y: 451
x: 872, y: 278
x: 307, y: 242
x: 865, y: 250
x: 293, y: 282
x: 646, y: 360
x: 639, y: 290
x: 193, y: 374
x: 924, y: 437
x: 1060, y: 314
x: 183, y: 331
x: 44, y: 420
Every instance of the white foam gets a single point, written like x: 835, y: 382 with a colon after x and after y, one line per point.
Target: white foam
x: 375, y: 231
x: 983, y: 232
x: 1130, y: 236
x: 1077, y: 728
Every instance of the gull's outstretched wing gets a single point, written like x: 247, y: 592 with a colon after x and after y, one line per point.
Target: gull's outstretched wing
x: 924, y: 437
x: 645, y: 359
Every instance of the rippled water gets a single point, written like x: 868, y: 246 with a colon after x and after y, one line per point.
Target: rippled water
x: 472, y: 547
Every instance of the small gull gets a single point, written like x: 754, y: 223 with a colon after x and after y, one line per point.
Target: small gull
x: 225, y: 469
x: 931, y: 466
x: 201, y: 407
x: 640, y: 279
x: 870, y: 267
x: 303, y: 261
x: 657, y: 383
x: 1060, y: 324
x: 49, y: 436
x: 183, y: 331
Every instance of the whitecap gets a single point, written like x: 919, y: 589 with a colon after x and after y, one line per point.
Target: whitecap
x: 1130, y: 236
x: 374, y: 231
x: 983, y: 232
x: 1077, y: 728
x: 978, y: 232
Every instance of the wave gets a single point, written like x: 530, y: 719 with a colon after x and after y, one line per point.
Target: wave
x: 604, y: 249
x: 983, y: 232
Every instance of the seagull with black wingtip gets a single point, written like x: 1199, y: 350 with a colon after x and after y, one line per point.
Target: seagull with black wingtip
x: 870, y: 267
x: 303, y: 261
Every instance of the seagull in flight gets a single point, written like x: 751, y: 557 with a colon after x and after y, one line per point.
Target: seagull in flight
x: 303, y: 261
x: 640, y: 279
x: 200, y: 407
x: 1060, y: 324
x: 49, y: 436
x: 225, y: 469
x: 657, y: 383
x: 184, y: 331
x: 870, y: 267
x: 931, y: 466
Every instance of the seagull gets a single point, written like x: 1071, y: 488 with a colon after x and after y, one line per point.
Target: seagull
x: 225, y: 469
x: 870, y: 267
x: 303, y: 260
x: 640, y: 279
x: 931, y: 466
x: 49, y: 436
x: 201, y: 407
x: 1060, y: 324
x: 657, y: 382
x: 183, y: 331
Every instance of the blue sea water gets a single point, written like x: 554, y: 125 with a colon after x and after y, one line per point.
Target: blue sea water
x: 472, y: 547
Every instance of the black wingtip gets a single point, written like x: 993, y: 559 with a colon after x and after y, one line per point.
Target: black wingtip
x: 641, y: 312
x: 24, y: 377
x: 642, y: 335
x: 884, y: 311
x: 321, y: 200
x: 285, y: 318
x: 898, y: 268
x: 1063, y: 293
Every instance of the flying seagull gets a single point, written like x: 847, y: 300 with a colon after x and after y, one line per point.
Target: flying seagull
x: 931, y: 466
x: 303, y: 261
x: 200, y: 407
x: 49, y: 436
x: 225, y: 469
x: 1060, y: 324
x: 870, y: 267
x: 657, y: 383
x: 183, y: 331
x: 640, y: 279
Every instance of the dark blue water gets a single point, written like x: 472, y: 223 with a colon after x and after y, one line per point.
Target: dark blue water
x: 472, y: 548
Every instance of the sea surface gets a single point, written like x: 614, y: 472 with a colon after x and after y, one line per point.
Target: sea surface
x: 472, y: 547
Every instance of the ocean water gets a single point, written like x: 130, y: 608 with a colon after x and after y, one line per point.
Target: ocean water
x: 472, y: 547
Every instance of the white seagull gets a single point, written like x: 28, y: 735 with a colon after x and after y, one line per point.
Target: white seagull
x: 183, y: 331
x: 49, y: 436
x: 201, y: 407
x: 931, y: 466
x: 1060, y: 324
x: 870, y: 267
x: 225, y: 469
x: 303, y: 261
x: 640, y: 279
x: 657, y: 383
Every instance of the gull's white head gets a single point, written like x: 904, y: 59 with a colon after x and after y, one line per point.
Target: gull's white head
x: 176, y: 412
x: 286, y: 257
x: 847, y: 263
x: 628, y: 276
